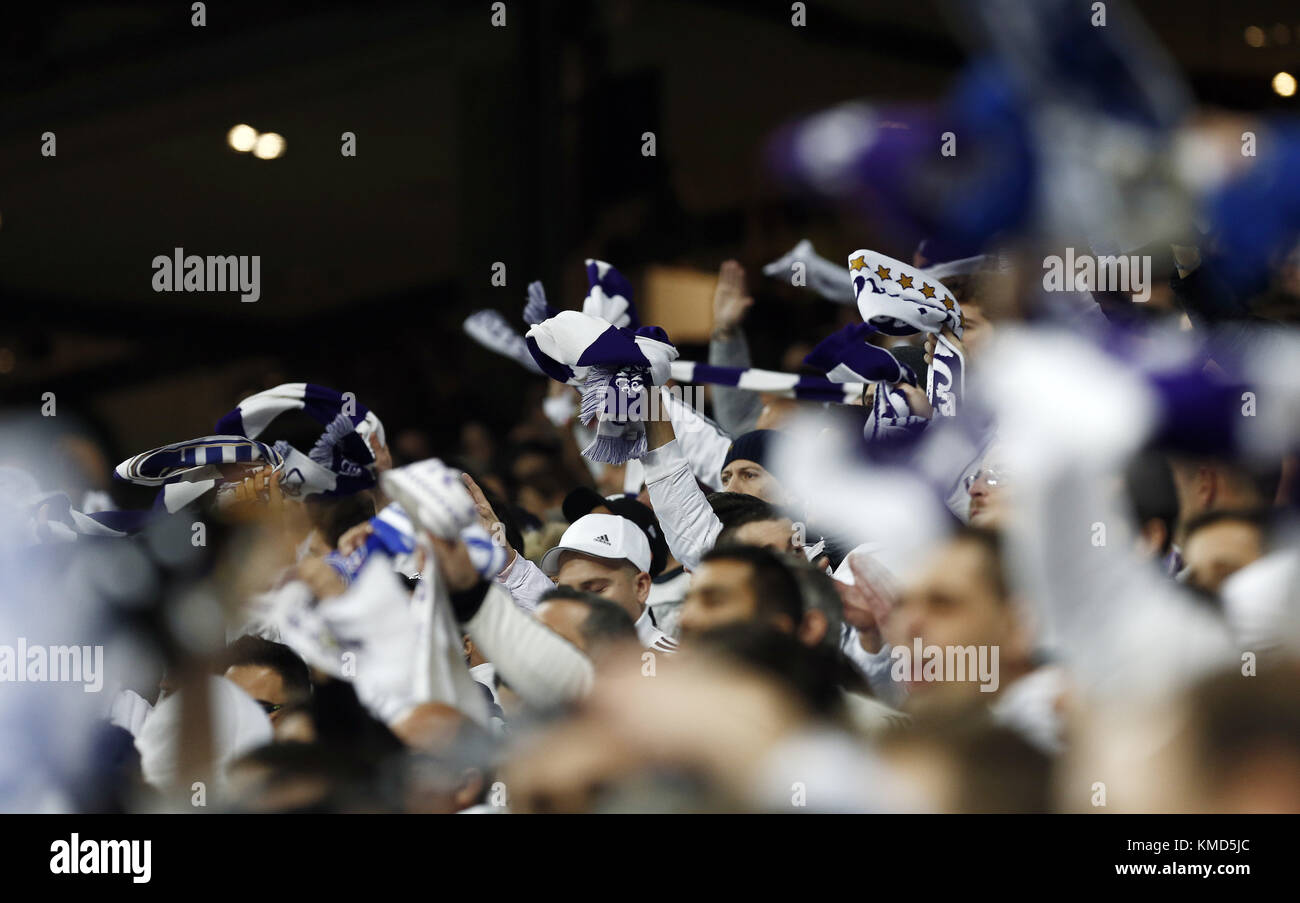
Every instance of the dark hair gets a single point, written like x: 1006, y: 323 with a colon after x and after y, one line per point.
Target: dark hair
x: 735, y: 510
x: 990, y: 541
x: 606, y: 621
x: 335, y: 516
x: 1260, y: 518
x: 774, y: 586
x: 1260, y: 479
x: 811, y: 673
x: 1151, y: 492
x: 819, y: 594
x: 254, y: 650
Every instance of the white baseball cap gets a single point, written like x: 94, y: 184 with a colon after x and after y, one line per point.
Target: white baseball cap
x: 601, y: 536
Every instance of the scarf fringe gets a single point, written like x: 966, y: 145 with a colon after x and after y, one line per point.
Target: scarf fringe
x: 618, y: 449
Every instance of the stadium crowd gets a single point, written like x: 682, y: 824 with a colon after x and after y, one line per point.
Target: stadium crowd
x: 991, y: 545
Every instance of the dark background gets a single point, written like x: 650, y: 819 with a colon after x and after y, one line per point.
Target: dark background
x: 475, y: 144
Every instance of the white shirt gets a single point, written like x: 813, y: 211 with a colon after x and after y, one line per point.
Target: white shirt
x: 651, y: 636
x: 688, y: 521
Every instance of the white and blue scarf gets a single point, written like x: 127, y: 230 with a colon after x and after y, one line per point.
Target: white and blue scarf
x: 845, y: 355
x: 609, y: 296
x: 898, y: 299
x: 442, y: 511
x: 341, y: 462
x: 195, y: 460
x: 835, y: 283
x: 490, y: 329
x: 614, y: 366
x: 768, y: 382
x: 186, y: 471
x: 830, y: 280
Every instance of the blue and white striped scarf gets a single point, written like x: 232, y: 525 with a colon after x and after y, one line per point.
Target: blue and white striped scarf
x: 195, y: 460
x: 846, y: 355
x: 609, y: 296
x: 768, y: 382
x: 615, y: 366
x: 186, y: 471
x: 341, y: 462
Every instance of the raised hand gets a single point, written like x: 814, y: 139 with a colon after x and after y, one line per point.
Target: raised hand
x: 730, y: 303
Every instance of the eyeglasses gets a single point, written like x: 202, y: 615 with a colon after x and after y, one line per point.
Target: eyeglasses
x: 993, y: 477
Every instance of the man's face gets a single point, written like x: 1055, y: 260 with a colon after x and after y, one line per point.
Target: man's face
x: 954, y: 603
x: 1217, y: 551
x: 565, y: 618
x: 721, y: 593
x: 617, y: 581
x: 749, y: 478
x: 987, y: 490
x: 262, y: 683
x: 777, y: 535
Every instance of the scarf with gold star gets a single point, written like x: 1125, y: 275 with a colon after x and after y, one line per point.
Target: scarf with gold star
x: 899, y: 299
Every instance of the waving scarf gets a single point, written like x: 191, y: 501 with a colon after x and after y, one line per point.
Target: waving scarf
x: 340, y: 462
x: 614, y: 366
x: 898, y: 299
x: 845, y: 356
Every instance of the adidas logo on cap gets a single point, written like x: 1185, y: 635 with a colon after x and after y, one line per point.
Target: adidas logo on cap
x: 604, y: 537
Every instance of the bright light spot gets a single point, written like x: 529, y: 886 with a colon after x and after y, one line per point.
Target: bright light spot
x: 1284, y: 84
x: 242, y: 138
x: 1255, y: 36
x: 269, y: 146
